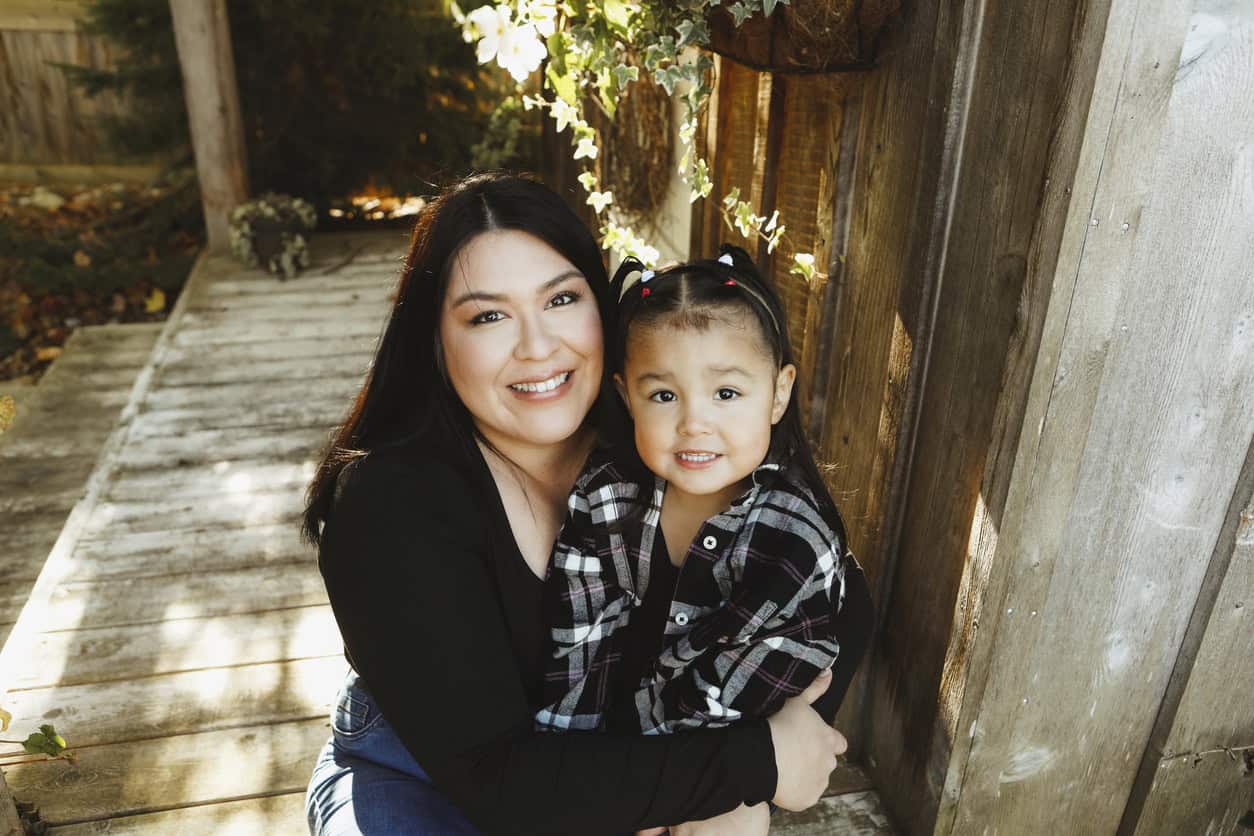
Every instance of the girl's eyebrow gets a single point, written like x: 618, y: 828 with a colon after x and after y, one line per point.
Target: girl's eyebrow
x: 721, y: 370
x: 480, y: 296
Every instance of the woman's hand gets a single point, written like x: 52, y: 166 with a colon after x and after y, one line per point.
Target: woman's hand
x: 805, y: 748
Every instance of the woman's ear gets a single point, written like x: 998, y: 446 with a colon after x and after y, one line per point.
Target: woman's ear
x: 621, y: 386
x: 783, y: 391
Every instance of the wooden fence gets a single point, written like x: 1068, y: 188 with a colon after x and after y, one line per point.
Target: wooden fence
x: 46, y: 125
x: 980, y: 375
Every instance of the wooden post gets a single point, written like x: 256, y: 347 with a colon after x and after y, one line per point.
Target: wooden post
x: 203, y: 38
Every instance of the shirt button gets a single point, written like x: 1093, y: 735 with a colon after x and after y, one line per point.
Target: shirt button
x: 681, y: 619
x: 709, y: 542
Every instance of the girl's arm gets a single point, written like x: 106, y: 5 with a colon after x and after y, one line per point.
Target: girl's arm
x: 403, y: 560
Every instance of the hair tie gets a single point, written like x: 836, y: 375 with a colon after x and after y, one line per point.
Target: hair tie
x: 726, y: 258
x: 644, y: 291
x: 730, y: 282
x: 646, y: 275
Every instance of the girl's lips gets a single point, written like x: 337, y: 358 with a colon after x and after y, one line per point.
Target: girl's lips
x: 546, y: 395
x: 706, y: 460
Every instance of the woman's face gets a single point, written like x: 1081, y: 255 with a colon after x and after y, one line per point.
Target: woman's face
x: 522, y: 339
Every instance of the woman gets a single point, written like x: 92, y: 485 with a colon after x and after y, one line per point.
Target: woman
x: 435, y: 511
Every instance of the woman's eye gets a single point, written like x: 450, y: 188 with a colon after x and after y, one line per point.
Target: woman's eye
x: 566, y: 297
x: 662, y: 396
x: 486, y: 316
x: 725, y: 394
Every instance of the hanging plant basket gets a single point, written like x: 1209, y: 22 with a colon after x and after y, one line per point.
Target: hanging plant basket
x: 805, y: 36
x: 271, y: 232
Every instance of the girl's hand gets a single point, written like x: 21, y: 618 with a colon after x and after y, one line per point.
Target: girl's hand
x: 805, y: 748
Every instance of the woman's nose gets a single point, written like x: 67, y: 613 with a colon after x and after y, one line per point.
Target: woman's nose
x: 535, y: 340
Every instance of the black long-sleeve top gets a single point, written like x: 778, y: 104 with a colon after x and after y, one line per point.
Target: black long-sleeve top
x: 440, y: 616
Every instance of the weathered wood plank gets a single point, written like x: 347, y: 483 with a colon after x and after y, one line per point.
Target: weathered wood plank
x: 274, y: 304
x: 210, y: 371
x: 284, y: 813
x: 172, y: 550
x: 250, y: 393
x: 132, y: 778
x: 199, y: 446
x: 77, y: 657
x: 236, y: 290
x: 1139, y: 433
x: 113, y: 518
x: 303, y: 414
x: 1202, y: 772
x: 220, y: 480
x: 248, y: 353
x: 113, y: 602
x: 182, y: 703
x: 222, y: 334
x: 34, y: 484
x: 851, y: 814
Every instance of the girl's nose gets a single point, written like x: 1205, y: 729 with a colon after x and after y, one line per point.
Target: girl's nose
x: 535, y: 341
x: 693, y: 421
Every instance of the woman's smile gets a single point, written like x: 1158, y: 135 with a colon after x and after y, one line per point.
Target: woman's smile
x: 545, y: 388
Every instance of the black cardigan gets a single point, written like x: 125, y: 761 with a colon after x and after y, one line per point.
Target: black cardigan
x: 440, y: 616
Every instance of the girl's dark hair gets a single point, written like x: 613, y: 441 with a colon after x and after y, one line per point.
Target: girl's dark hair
x: 698, y: 293
x: 406, y: 392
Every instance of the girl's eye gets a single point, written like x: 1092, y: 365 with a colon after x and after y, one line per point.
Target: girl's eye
x: 662, y: 396
x: 566, y: 297
x: 486, y: 316
x: 725, y: 394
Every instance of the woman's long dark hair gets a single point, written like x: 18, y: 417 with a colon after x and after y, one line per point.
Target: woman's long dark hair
x: 695, y: 294
x: 406, y: 392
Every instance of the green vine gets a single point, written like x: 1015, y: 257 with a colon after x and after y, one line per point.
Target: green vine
x: 595, y: 50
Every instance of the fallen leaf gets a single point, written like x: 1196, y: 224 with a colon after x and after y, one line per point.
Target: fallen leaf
x: 81, y: 259
x: 5, y: 717
x: 48, y: 353
x: 155, y: 302
x: 8, y: 412
x: 46, y: 741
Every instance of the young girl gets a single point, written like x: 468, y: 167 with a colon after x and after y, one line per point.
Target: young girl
x: 697, y: 579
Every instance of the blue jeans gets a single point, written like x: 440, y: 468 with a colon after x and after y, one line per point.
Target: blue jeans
x: 366, y: 783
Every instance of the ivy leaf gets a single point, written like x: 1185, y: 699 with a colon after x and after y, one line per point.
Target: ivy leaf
x: 563, y: 84
x: 768, y: 6
x: 740, y: 12
x: 557, y: 47
x: 46, y: 741
x: 624, y: 75
x: 693, y: 32
x: 668, y: 77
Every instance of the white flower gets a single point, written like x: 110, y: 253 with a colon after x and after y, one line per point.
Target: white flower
x: 521, y: 51
x: 544, y: 17
x: 491, y: 23
x: 599, y: 200
x: 564, y: 113
x: 586, y: 148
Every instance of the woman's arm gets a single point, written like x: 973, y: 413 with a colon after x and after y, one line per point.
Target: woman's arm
x: 403, y: 560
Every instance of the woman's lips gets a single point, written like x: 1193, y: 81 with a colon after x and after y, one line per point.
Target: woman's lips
x: 543, y: 390
x: 696, y: 459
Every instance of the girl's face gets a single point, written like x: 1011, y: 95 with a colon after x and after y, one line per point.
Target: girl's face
x: 703, y: 402
x: 521, y: 335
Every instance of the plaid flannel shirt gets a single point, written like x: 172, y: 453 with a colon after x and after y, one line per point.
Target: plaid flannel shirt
x: 752, y: 618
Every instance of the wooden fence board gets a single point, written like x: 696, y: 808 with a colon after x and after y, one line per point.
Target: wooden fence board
x: 221, y: 480
x: 229, y: 444
x: 207, y: 549
x: 1103, y: 541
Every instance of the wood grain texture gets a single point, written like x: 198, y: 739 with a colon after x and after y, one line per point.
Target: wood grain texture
x: 1199, y: 764
x: 283, y: 813
x: 202, y: 35
x: 155, y: 775
x: 1133, y: 438
x: 43, y: 118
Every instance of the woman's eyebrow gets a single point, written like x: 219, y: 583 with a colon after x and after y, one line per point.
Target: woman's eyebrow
x: 482, y: 296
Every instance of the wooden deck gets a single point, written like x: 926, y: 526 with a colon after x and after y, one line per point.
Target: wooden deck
x: 178, y: 634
